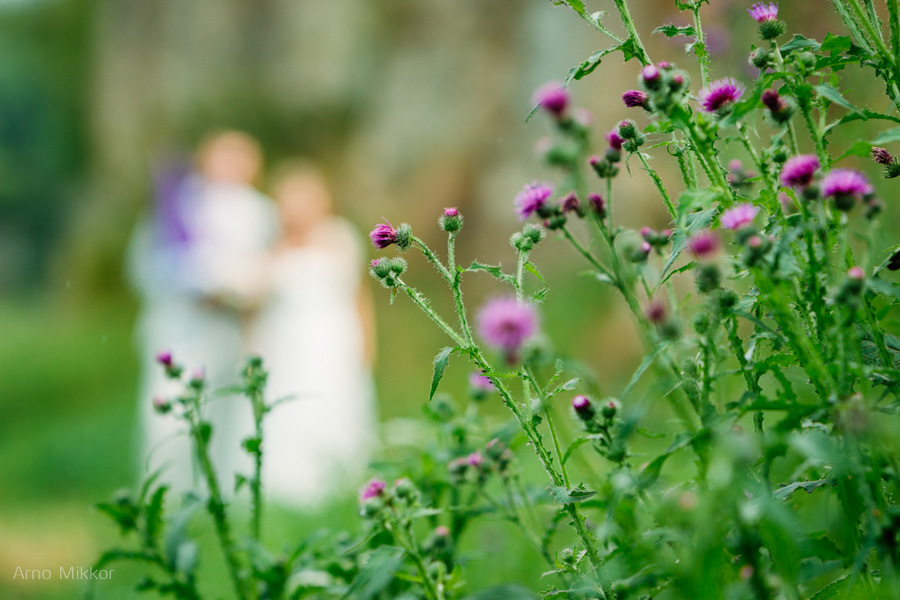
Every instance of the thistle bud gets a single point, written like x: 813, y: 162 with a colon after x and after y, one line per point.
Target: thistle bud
x: 627, y: 130
x: 520, y: 242
x: 761, y: 58
x: 635, y: 99
x: 708, y: 278
x: 583, y: 407
x: 882, y: 156
x: 161, y: 405
x: 533, y: 232
x: 451, y: 221
x: 651, y: 77
x: 610, y: 408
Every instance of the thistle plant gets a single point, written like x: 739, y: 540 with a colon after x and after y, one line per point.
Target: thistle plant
x: 782, y: 332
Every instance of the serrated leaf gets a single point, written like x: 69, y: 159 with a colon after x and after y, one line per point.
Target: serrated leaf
x: 493, y: 270
x: 440, y: 364
x: 376, y: 574
x: 808, y: 486
x: 674, y: 30
x: 563, y: 495
x: 800, y: 43
x: 833, y: 95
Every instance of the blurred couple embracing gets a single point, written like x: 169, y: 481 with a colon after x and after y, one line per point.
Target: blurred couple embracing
x: 225, y: 271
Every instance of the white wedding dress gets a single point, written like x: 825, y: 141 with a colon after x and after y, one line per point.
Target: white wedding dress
x: 311, y: 338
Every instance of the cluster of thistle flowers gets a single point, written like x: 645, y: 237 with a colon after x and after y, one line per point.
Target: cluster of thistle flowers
x: 598, y: 420
x: 194, y: 385
x: 476, y: 467
x: 664, y: 89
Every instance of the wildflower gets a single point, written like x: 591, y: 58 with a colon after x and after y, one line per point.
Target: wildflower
x: 164, y: 358
x: 384, y: 235
x: 583, y: 407
x: 373, y: 489
x: 656, y: 312
x: 882, y: 156
x: 761, y: 58
x: 627, y: 130
x: 481, y: 382
x: 763, y: 12
x: 798, y: 171
x: 720, y: 93
x: 598, y: 204
x: 703, y: 244
x: 553, y: 98
x: 506, y: 323
x: 610, y: 409
x: 532, y: 198
x: 891, y: 165
x: 738, y: 216
x: 766, y: 14
x: 641, y: 253
x: 615, y: 140
x: 780, y: 109
x: 635, y: 99
x: 475, y: 460
x: 570, y: 204
x: 161, y: 405
x: 856, y: 273
x: 451, y: 221
x: 844, y: 187
x: 650, y: 76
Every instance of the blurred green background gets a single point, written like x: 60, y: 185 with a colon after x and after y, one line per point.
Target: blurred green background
x: 411, y: 105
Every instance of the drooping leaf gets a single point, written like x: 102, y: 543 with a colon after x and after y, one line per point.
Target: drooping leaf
x: 440, y: 364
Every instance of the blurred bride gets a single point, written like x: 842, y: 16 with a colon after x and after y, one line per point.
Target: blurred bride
x: 315, y: 332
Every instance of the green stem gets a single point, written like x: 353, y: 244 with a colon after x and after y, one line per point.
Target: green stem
x: 702, y: 53
x: 420, y: 301
x: 215, y: 505
x: 657, y: 181
x: 639, y: 51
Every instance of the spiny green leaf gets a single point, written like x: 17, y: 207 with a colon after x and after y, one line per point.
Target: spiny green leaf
x: 673, y: 30
x: 563, y: 495
x: 440, y: 364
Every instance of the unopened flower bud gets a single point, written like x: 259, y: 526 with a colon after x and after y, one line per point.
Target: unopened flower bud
x: 708, y: 278
x: 641, y: 253
x: 520, y: 242
x: 656, y: 312
x: 583, y: 407
x: 570, y: 204
x: 161, y: 405
x: 635, y: 99
x: 882, y: 156
x: 598, y: 204
x: 451, y: 221
x: 164, y: 358
x: 380, y: 267
x: 651, y: 77
x: 610, y: 408
x: 627, y: 130
x: 533, y: 232
x: 760, y: 58
x: 404, y: 488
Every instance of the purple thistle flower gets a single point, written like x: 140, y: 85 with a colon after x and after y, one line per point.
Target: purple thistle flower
x: 383, y: 235
x: 798, y: 171
x: 763, y: 12
x: 650, y: 73
x: 451, y: 212
x: 475, y: 460
x: 740, y: 215
x: 481, y: 382
x: 164, y: 358
x: 583, y: 407
x: 553, y: 98
x: 845, y: 183
x: 720, y: 93
x: 882, y: 156
x: 615, y: 140
x: 635, y: 99
x: 656, y: 312
x: 507, y: 323
x: 570, y: 203
x: 598, y: 204
x: 703, y: 244
x: 374, y: 489
x: 441, y: 531
x: 532, y: 198
x: 856, y: 273
x: 771, y: 99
